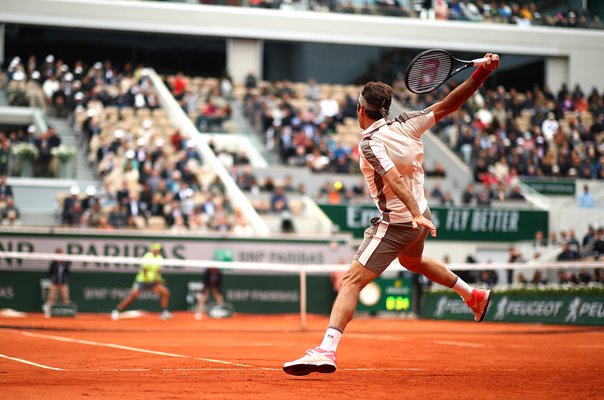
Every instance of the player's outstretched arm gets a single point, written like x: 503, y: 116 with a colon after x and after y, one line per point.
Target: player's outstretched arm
x: 462, y: 93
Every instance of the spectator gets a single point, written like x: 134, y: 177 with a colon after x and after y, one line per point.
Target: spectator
x: 5, y: 189
x: 567, y: 277
x: 516, y: 194
x: 71, y: 205
x: 567, y: 254
x: 468, y: 195
x: 10, y: 212
x: 540, y: 241
x: 437, y: 193
x: 118, y: 217
x: 5, y: 151
x: 513, y: 257
x: 538, y: 278
x: 447, y: 200
x: 586, y: 199
x: 589, y: 237
x: 279, y: 200
x: 598, y: 244
x: 488, y: 277
x: 573, y: 242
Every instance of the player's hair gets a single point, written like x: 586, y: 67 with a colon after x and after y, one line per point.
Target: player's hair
x: 379, y: 97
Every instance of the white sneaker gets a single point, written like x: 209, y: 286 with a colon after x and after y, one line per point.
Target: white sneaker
x: 115, y: 315
x: 198, y: 316
x: 165, y: 315
x: 315, y: 360
x: 46, y: 309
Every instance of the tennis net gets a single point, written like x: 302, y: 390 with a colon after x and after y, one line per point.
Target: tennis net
x: 98, y: 283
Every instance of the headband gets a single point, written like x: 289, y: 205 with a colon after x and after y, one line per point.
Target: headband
x: 367, y: 106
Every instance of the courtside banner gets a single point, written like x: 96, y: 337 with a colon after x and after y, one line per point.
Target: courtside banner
x: 579, y: 308
x: 184, y: 247
x: 552, y: 187
x: 455, y: 223
x: 98, y: 291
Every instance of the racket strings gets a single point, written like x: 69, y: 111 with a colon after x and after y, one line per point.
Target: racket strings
x: 428, y: 72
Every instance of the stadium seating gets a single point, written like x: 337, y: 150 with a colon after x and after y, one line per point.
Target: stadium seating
x: 539, y: 13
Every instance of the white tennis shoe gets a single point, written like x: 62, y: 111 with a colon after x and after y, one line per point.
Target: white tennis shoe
x: 115, y: 315
x: 315, y: 360
x: 165, y: 315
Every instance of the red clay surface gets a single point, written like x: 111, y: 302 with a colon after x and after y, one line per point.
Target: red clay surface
x: 242, y: 357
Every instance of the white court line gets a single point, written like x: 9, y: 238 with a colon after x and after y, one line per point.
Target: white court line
x: 221, y: 362
x: 459, y: 344
x: 201, y: 369
x: 93, y: 343
x: 30, y: 363
x: 121, y: 347
x: 381, y: 369
x: 376, y: 337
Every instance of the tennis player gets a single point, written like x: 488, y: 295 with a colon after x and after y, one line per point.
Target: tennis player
x: 392, y: 153
x: 148, y: 279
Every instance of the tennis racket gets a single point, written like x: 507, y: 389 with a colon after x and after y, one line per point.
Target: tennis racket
x: 431, y: 68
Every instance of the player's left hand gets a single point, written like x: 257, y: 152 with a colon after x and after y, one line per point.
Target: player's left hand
x: 492, y: 62
x: 423, y: 221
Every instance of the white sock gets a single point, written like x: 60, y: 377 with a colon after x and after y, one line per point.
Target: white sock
x: 331, y: 339
x: 463, y: 289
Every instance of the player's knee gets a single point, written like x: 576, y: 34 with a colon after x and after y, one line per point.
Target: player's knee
x: 353, y: 280
x: 411, y: 263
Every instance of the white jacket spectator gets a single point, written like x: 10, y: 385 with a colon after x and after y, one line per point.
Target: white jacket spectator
x: 549, y: 127
x: 50, y: 86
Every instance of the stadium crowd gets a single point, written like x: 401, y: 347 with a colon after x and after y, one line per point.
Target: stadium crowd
x: 206, y: 101
x: 45, y: 85
x: 152, y: 176
x: 524, y: 13
x: 565, y: 245
x: 306, y: 124
x: 505, y: 134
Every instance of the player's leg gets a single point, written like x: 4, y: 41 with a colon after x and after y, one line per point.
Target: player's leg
x: 52, y: 295
x: 164, y: 295
x: 133, y: 295
x: 201, y: 301
x: 431, y: 269
x: 217, y: 295
x: 373, y: 256
x: 477, y: 299
x: 65, y: 293
x: 413, y: 259
x: 351, y: 285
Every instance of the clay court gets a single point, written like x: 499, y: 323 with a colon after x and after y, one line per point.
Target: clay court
x: 91, y: 357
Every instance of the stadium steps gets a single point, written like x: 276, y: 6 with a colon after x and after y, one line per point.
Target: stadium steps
x: 37, y: 197
x: 3, y: 98
x: 69, y: 137
x: 241, y: 125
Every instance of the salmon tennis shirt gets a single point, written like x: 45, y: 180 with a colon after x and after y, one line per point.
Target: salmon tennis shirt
x: 395, y: 144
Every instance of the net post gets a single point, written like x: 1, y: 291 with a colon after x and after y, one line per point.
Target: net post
x: 302, y: 298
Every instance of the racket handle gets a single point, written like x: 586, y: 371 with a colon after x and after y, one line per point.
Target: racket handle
x: 479, y: 61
